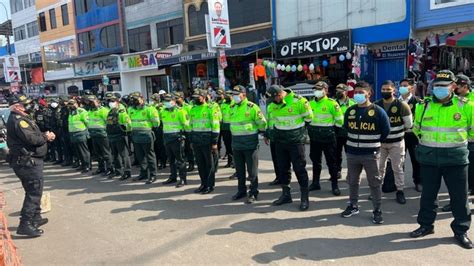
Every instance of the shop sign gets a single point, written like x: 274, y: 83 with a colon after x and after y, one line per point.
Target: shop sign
x: 389, y: 50
x: 97, y: 66
x: 315, y: 45
x: 147, y: 60
x: 59, y: 50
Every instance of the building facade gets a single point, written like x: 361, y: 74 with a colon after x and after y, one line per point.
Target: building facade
x: 27, y: 42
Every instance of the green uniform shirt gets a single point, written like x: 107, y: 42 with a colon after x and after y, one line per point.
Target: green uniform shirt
x: 98, y: 122
x: 246, y: 122
x: 204, y: 124
x: 143, y: 119
x: 444, y: 131
x: 225, y: 110
x: 327, y: 115
x: 175, y: 122
x: 77, y: 125
x: 118, y: 123
x: 288, y: 119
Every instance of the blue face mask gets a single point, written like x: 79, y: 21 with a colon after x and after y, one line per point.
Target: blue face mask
x: 169, y: 105
x: 441, y: 92
x: 236, y: 99
x: 403, y: 90
x: 359, y: 98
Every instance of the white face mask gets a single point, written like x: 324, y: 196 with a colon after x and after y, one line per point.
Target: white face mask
x: 113, y: 105
x: 318, y: 93
x: 54, y: 105
x: 236, y: 99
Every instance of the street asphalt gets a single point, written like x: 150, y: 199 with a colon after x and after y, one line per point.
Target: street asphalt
x: 97, y: 221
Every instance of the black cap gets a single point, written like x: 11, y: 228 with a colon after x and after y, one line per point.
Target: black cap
x: 321, y: 85
x: 274, y: 90
x: 71, y: 102
x: 18, y: 98
x: 444, y: 77
x: 178, y: 94
x: 109, y: 96
x: 342, y: 86
x: 238, y: 90
x: 463, y: 80
x: 168, y: 97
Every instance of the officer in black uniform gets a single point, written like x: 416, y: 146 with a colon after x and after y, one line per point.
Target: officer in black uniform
x: 188, y: 150
x: 65, y: 141
x: 55, y: 124
x: 28, y: 147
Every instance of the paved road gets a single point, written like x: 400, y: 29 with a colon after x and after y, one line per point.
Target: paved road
x: 97, y: 221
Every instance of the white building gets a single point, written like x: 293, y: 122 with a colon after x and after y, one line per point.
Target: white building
x: 25, y: 32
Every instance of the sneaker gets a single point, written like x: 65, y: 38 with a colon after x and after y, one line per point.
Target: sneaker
x: 350, y: 210
x: 377, y: 218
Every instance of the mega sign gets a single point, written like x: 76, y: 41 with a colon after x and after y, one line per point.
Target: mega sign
x: 328, y: 43
x: 145, y: 60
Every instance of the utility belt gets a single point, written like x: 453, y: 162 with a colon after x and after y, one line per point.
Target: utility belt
x: 25, y: 159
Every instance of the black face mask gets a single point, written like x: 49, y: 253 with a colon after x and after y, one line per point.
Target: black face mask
x: 198, y: 102
x: 387, y: 95
x: 339, y: 95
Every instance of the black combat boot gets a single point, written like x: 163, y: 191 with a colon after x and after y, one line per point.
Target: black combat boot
x: 27, y: 228
x: 304, y: 205
x: 284, y: 198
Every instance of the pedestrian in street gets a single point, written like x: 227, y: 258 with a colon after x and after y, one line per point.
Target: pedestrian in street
x: 289, y: 113
x: 407, y: 95
x: 145, y: 121
x: 77, y: 127
x: 188, y: 151
x: 367, y: 126
x: 118, y: 127
x: 204, y: 133
x: 28, y: 147
x: 175, y: 122
x: 160, y: 149
x: 393, y: 147
x: 97, y: 130
x: 443, y: 125
x: 327, y: 116
x: 341, y: 133
x: 246, y: 122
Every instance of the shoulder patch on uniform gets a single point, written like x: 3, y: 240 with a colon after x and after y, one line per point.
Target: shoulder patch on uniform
x: 24, y: 124
x: 250, y: 104
x: 17, y: 116
x: 121, y: 110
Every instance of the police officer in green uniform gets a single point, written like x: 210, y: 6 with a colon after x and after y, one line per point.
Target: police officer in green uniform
x: 188, y: 151
x: 77, y: 125
x: 28, y: 147
x: 341, y: 134
x: 160, y: 149
x: 214, y: 107
x: 204, y: 133
x: 289, y: 113
x: 246, y: 122
x: 97, y: 130
x: 144, y: 120
x: 327, y: 115
x: 443, y: 125
x: 118, y: 127
x: 175, y: 122
x: 226, y: 136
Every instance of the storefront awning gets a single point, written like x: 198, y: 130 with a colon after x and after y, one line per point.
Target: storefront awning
x: 464, y: 39
x: 236, y: 50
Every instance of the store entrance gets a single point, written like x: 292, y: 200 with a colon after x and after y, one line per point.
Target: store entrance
x: 156, y: 83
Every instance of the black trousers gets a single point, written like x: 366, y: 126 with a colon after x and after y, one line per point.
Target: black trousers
x: 175, y: 153
x: 81, y: 150
x: 316, y: 150
x: 470, y: 171
x: 102, y: 150
x: 227, y: 138
x: 275, y: 162
x: 121, y: 156
x: 455, y: 178
x: 205, y: 164
x: 160, y: 149
x: 188, y: 150
x: 146, y: 158
x: 66, y: 147
x: 288, y: 155
x: 31, y: 178
x: 411, y: 141
x: 261, y: 85
x: 55, y: 148
x: 247, y: 160
x: 340, y: 144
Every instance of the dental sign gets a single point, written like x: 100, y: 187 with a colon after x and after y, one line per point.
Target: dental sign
x: 315, y: 45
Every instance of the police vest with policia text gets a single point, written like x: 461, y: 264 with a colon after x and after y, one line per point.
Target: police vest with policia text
x: 397, y: 127
x: 362, y: 129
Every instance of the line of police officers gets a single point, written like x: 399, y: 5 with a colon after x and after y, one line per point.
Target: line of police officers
x: 370, y: 133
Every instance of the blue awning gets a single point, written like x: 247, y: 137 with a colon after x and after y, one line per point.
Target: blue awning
x: 200, y: 55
